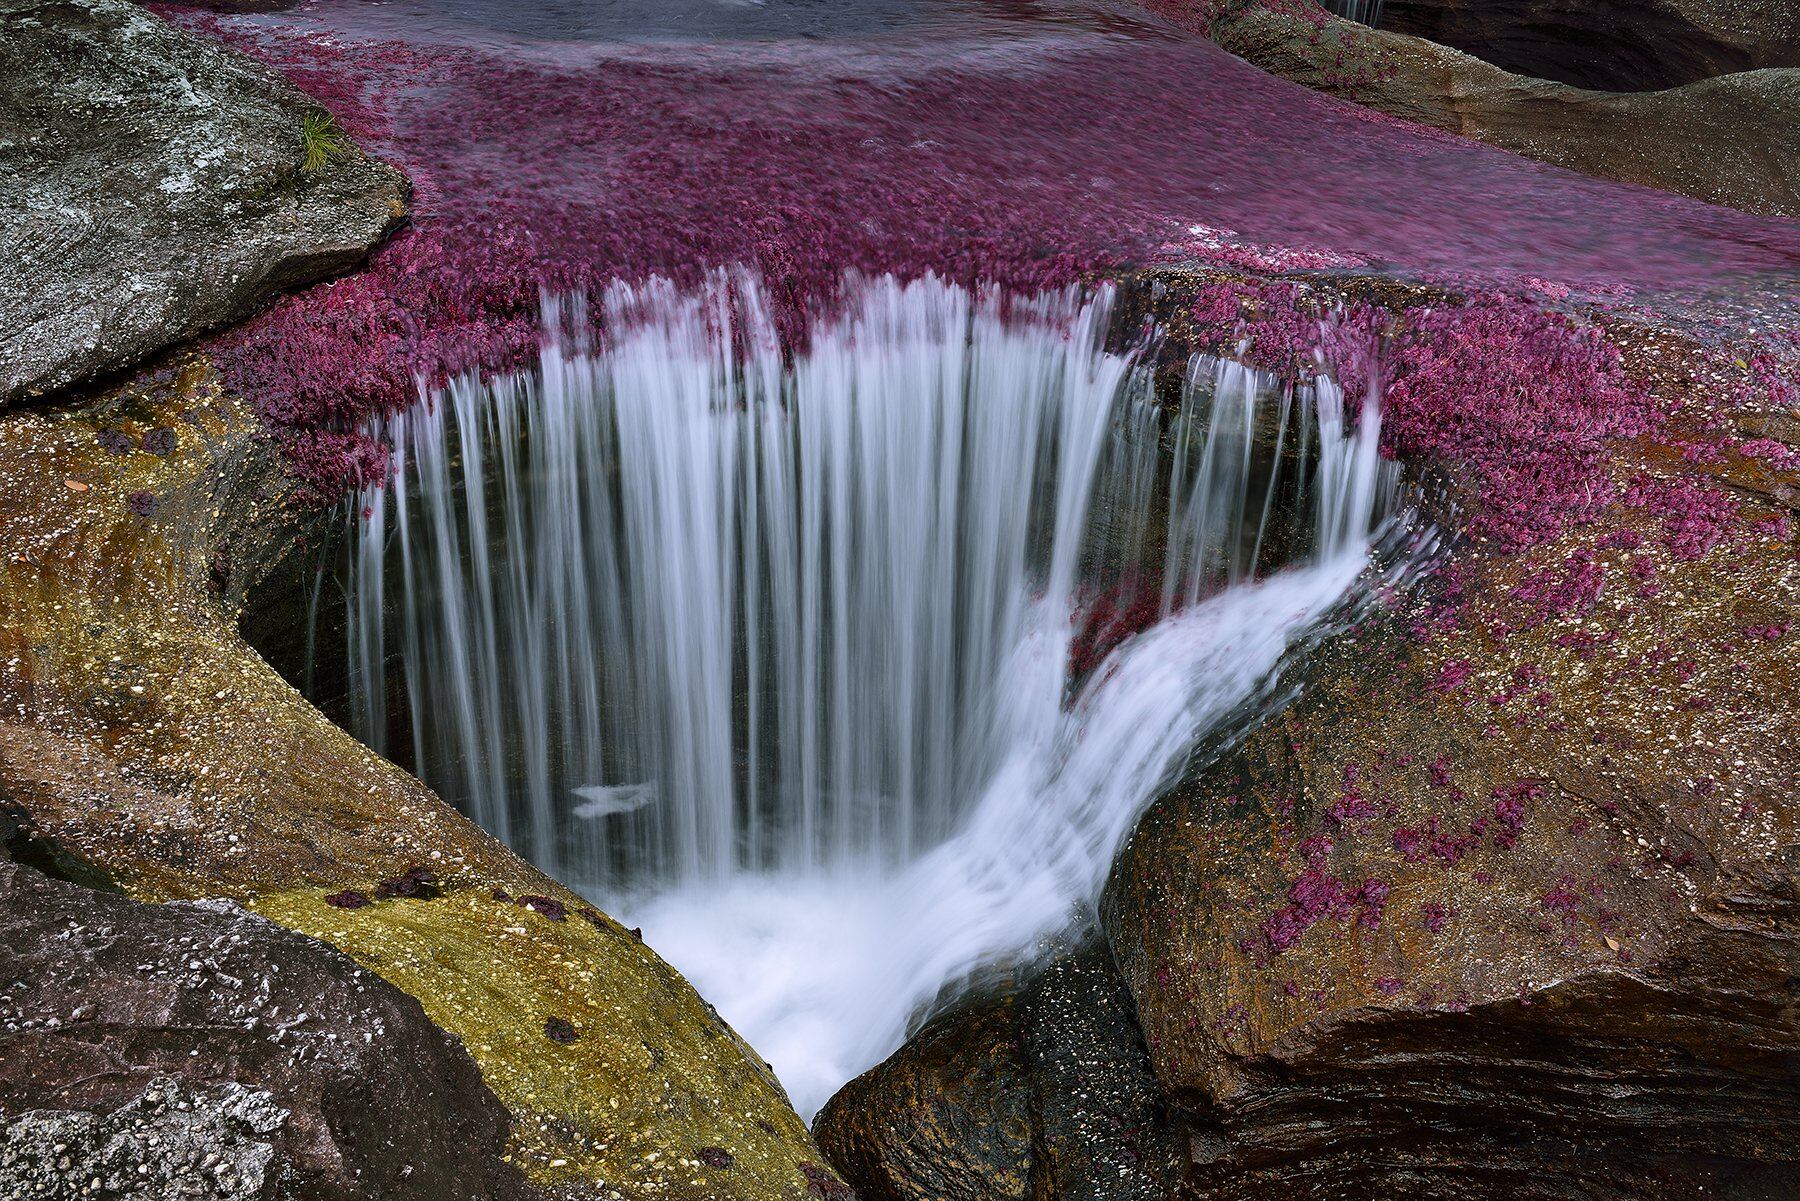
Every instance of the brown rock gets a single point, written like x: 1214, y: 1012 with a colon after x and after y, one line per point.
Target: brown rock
x: 1549, y: 950
x: 262, y: 1063
x: 1043, y: 1091
x: 1732, y: 140
x: 947, y: 1118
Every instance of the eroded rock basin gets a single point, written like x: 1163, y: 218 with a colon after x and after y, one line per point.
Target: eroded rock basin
x: 1465, y: 843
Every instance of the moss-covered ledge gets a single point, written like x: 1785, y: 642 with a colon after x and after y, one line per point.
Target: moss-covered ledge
x: 140, y: 735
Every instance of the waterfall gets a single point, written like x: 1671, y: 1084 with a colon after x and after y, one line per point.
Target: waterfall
x: 846, y: 674
x: 1368, y: 12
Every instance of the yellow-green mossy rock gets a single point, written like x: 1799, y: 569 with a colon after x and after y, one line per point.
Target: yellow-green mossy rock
x: 140, y: 736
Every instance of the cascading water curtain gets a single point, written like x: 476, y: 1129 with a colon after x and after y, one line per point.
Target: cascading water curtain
x: 1368, y: 12
x: 670, y: 607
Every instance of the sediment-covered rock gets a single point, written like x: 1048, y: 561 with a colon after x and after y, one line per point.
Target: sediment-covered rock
x: 142, y: 740
x: 198, y: 1050
x: 153, y: 186
x: 1732, y: 140
x: 1609, y: 45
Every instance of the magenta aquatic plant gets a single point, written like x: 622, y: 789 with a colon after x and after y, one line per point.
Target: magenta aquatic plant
x: 1519, y: 404
x: 1695, y: 515
x: 1041, y: 165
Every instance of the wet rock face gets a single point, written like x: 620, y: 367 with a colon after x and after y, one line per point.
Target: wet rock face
x: 1610, y: 45
x: 193, y: 1049
x: 1043, y: 1092
x: 947, y: 1116
x: 129, y: 146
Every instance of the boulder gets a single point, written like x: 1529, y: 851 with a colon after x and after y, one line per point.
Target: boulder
x: 1609, y: 45
x: 1040, y: 1090
x: 1732, y: 140
x: 1508, y: 908
x: 141, y: 739
x: 194, y: 1049
x: 947, y: 1117
x: 153, y: 185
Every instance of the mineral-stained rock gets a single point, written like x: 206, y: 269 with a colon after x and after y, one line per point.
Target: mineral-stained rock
x: 141, y: 738
x: 1041, y: 1092
x: 1610, y: 45
x: 1732, y: 140
x: 152, y: 186
x: 156, y: 1047
x: 1509, y: 909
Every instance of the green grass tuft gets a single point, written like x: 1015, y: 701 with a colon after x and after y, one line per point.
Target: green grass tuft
x: 321, y: 140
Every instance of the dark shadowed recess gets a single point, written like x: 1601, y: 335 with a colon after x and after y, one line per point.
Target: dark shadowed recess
x: 1610, y: 45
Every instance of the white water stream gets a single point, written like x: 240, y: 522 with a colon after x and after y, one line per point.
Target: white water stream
x: 775, y: 658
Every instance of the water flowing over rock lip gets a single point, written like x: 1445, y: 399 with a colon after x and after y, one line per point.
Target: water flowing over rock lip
x: 865, y: 570
x: 686, y: 159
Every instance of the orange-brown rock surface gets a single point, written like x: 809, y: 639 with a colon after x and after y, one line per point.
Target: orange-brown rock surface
x: 1039, y: 1090
x: 1505, y: 903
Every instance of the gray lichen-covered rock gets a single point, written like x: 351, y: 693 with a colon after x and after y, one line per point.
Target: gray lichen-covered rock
x: 194, y: 1049
x: 153, y: 186
x: 170, y: 1142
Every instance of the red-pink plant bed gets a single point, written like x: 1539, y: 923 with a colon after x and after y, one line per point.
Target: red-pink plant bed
x: 1065, y: 152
